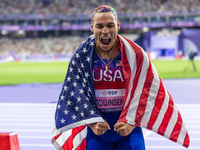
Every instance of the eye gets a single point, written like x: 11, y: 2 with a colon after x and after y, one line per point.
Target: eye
x: 110, y: 26
x: 99, y: 26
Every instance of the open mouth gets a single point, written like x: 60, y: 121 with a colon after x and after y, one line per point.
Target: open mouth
x: 105, y: 40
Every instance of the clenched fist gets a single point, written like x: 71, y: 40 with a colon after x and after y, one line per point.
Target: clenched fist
x: 99, y: 128
x: 123, y: 128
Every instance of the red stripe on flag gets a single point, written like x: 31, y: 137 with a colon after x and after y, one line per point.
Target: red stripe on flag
x: 144, y: 96
x: 69, y: 143
x: 82, y: 146
x: 157, y: 106
x: 187, y: 140
x: 167, y: 116
x: 177, y: 129
x: 57, y: 136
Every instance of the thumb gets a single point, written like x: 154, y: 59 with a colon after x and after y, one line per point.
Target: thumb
x: 107, y: 124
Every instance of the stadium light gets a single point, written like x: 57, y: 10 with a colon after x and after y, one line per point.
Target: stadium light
x: 145, y: 29
x: 21, y: 32
x: 3, y: 32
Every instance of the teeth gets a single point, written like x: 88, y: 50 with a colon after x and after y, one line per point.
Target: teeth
x: 105, y: 38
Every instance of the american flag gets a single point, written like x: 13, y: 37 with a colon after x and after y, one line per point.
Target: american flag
x: 147, y: 103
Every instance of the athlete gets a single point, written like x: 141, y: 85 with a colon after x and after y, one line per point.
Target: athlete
x: 110, y: 88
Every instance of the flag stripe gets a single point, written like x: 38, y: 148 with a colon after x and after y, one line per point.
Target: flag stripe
x: 182, y: 135
x: 61, y: 139
x: 144, y: 96
x: 157, y: 106
x: 129, y: 70
x: 151, y: 98
x: 82, y: 146
x: 76, y: 132
x: 187, y: 140
x: 79, y: 138
x: 172, y: 122
x: 177, y: 129
x: 166, y: 117
x: 162, y: 112
x: 134, y: 102
x: 135, y: 84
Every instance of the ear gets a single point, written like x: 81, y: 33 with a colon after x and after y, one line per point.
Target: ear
x: 92, y: 25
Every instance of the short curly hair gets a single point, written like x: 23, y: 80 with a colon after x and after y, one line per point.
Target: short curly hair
x: 104, y: 8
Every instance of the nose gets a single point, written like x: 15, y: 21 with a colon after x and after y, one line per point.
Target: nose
x: 105, y: 30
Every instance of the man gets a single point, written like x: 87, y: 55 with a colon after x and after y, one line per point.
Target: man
x: 105, y: 27
x: 111, y: 90
x: 191, y: 55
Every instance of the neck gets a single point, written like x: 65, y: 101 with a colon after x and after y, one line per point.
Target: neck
x: 110, y: 54
x: 105, y: 51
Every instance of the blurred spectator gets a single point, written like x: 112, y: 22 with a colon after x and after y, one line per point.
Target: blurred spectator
x: 82, y: 7
x: 191, y: 55
x: 28, y: 47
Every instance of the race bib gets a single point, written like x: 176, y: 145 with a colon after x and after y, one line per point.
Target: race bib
x: 110, y: 100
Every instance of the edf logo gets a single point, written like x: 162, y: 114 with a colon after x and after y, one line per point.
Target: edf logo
x: 112, y: 92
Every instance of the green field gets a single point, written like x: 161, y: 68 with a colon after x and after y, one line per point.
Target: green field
x: 54, y: 72
x: 15, y: 73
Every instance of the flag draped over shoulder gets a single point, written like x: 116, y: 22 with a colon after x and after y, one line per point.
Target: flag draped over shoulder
x: 147, y: 103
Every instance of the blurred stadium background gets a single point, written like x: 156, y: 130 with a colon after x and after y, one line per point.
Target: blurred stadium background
x: 37, y: 30
x: 38, y: 38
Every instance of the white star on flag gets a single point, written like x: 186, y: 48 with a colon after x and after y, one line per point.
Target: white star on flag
x: 81, y: 91
x: 79, y: 70
x: 62, y: 97
x: 78, y: 99
x: 82, y: 114
x: 66, y: 111
x: 75, y: 84
x: 62, y: 121
x: 65, y: 88
x: 73, y: 62
x: 91, y: 43
x: 82, y: 65
x: 87, y: 74
x: 72, y: 93
x: 68, y: 79
x: 77, y: 55
x: 92, y: 112
x: 84, y: 80
x: 74, y: 117
x: 85, y: 105
x: 84, y: 50
x: 71, y: 69
x: 77, y: 77
x: 88, y: 59
x: 69, y: 102
x: 83, y: 85
x: 76, y: 108
x: 59, y: 106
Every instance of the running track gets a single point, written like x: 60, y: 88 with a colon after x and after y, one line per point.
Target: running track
x: 29, y: 111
